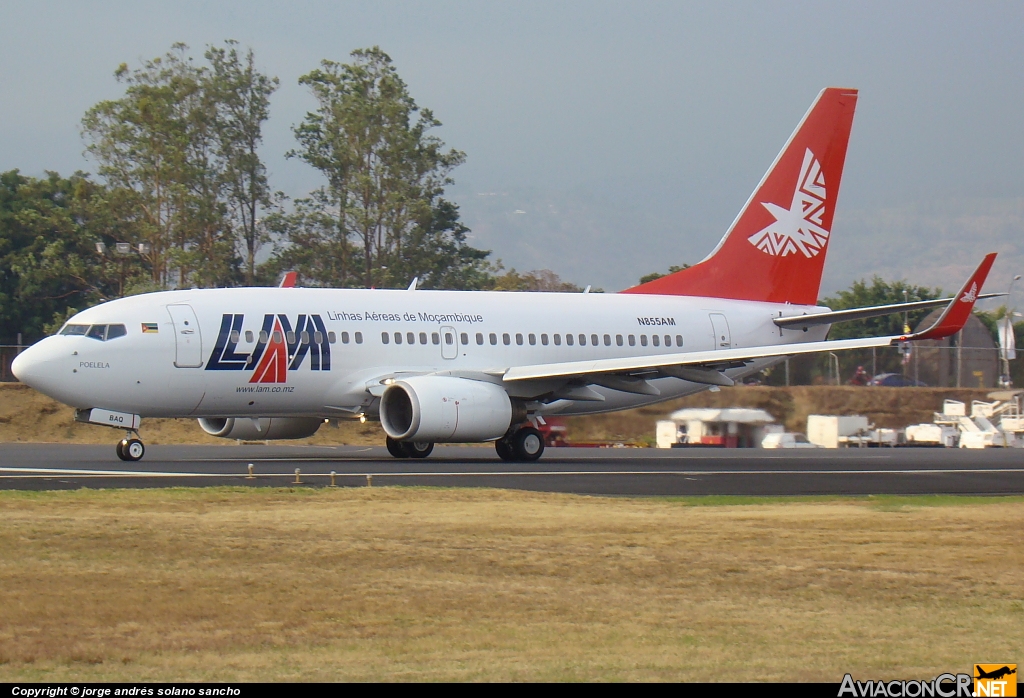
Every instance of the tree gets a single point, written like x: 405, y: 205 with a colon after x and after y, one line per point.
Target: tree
x: 180, y: 151
x: 385, y: 179
x: 242, y: 95
x: 49, y: 265
x: 540, y: 280
x: 656, y: 275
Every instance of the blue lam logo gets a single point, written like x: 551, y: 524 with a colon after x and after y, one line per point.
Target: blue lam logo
x: 278, y: 349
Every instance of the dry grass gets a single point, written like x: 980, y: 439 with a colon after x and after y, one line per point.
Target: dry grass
x: 425, y: 584
x: 28, y: 416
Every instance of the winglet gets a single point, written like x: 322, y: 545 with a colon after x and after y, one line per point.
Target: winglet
x: 289, y: 279
x: 959, y: 309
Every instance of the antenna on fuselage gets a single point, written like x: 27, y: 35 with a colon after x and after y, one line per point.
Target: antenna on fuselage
x: 412, y: 286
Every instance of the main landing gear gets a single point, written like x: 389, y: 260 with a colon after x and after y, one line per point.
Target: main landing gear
x: 526, y: 444
x: 130, y: 448
x: 409, y: 449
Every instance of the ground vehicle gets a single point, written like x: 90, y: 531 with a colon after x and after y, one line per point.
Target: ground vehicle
x: 787, y: 440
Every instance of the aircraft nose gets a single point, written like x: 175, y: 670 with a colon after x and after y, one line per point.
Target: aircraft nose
x: 27, y: 366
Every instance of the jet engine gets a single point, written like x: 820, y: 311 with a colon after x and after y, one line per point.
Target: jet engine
x: 246, y: 429
x: 447, y: 409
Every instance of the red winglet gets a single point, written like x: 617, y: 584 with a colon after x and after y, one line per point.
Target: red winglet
x: 289, y: 279
x: 959, y: 309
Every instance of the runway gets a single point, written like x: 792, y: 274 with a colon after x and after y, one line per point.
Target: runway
x: 637, y: 472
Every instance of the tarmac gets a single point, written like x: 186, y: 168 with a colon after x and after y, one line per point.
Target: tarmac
x: 593, y: 471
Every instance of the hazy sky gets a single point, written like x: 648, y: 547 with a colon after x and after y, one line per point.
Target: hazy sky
x: 626, y: 135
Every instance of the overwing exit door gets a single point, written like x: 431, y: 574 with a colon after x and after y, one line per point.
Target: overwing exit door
x: 449, y: 343
x: 188, y: 341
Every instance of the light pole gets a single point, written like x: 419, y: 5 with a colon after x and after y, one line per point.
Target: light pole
x: 1007, y: 333
x: 122, y: 250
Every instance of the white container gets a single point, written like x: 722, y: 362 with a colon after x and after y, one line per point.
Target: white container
x: 666, y: 433
x: 825, y: 429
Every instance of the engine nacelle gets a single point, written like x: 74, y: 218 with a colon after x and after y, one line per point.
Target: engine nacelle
x: 269, y: 427
x: 442, y: 408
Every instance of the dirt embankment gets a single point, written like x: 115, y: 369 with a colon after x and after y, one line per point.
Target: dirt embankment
x: 28, y: 416
x: 886, y: 407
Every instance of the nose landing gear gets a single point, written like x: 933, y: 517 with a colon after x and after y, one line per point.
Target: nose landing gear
x: 130, y: 448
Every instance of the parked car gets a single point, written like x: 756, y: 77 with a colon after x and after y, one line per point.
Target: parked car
x: 896, y: 380
x: 787, y: 440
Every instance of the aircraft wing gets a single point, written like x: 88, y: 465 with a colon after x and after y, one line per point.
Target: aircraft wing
x: 706, y: 366
x: 834, y: 316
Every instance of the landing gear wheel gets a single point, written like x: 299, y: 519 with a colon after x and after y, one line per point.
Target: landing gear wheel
x: 527, y: 444
x: 120, y: 449
x: 395, y: 448
x: 132, y: 450
x: 418, y: 449
x: 504, y: 449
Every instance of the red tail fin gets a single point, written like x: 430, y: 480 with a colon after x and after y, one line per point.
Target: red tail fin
x: 775, y: 249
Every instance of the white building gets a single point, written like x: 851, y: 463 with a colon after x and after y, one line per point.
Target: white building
x: 730, y: 427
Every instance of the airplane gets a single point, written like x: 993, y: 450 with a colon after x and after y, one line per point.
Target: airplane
x: 477, y: 366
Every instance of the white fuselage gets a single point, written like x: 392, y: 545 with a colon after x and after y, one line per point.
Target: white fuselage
x: 202, y: 354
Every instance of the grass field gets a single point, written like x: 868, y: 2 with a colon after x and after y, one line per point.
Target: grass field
x: 436, y: 584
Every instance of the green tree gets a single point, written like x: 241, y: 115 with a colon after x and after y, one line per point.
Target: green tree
x: 656, y: 275
x: 242, y: 97
x: 49, y: 265
x: 180, y: 149
x: 385, y: 179
x: 539, y: 280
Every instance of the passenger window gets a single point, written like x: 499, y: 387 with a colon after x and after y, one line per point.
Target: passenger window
x: 494, y: 338
x: 632, y: 341
x: 533, y: 339
x: 558, y: 340
x: 643, y: 340
x: 465, y: 339
x: 593, y: 339
x: 480, y: 338
x: 344, y: 337
x: 679, y: 340
x: 410, y: 337
x: 654, y: 339
x: 449, y: 338
x: 114, y: 331
x: 304, y: 337
x: 519, y: 339
x: 506, y: 339
x: 75, y: 329
x: 398, y: 337
x: 318, y: 337
x: 544, y: 339
x: 248, y: 336
x: 277, y: 337
x: 264, y: 337
x: 233, y: 336
x: 568, y: 339
x: 668, y: 340
x: 97, y: 332
x: 359, y: 337
x: 423, y: 337
x: 583, y: 340
x: 436, y: 338
x: 291, y: 337
x: 385, y: 338
x: 618, y: 340
x: 607, y: 340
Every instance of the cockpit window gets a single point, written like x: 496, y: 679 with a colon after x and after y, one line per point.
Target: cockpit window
x: 100, y: 332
